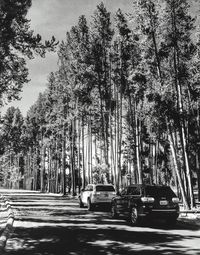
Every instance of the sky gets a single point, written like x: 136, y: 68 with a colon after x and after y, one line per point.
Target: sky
x: 55, y: 17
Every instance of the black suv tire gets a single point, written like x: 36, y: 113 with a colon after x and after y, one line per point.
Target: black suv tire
x: 171, y: 221
x: 114, y: 213
x: 134, y: 218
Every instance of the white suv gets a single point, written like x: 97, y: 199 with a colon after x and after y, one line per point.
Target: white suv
x: 96, y: 194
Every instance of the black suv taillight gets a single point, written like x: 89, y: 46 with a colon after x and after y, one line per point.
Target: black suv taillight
x: 147, y: 199
x: 175, y: 200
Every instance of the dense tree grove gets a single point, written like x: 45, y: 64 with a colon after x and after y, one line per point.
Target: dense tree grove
x: 122, y: 108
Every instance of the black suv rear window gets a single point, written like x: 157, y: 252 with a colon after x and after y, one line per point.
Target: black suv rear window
x: 104, y: 188
x: 159, y: 191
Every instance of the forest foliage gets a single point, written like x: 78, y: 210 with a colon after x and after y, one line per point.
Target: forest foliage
x: 122, y: 108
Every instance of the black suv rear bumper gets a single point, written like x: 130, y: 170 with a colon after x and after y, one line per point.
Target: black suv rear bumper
x: 160, y: 213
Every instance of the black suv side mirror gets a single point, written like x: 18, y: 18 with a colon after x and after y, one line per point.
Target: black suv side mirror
x: 118, y: 193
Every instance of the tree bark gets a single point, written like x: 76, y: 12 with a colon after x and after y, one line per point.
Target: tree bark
x: 173, y: 150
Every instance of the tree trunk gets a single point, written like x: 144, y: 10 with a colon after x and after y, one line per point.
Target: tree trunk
x: 173, y: 150
x: 79, y: 156
x: 137, y: 145
x: 73, y: 179
x: 180, y: 107
x: 42, y: 165
x: 83, y: 155
x: 63, y: 160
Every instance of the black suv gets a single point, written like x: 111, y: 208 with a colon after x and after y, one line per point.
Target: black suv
x: 153, y: 201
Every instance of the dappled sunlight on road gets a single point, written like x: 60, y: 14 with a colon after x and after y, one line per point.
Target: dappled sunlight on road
x: 97, y: 239
x: 103, y: 236
x: 57, y: 226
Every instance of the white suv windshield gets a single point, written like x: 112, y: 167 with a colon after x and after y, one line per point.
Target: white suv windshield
x: 104, y: 188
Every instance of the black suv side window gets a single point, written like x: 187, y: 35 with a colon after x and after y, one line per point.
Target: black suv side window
x: 90, y: 188
x: 134, y: 191
x: 124, y: 192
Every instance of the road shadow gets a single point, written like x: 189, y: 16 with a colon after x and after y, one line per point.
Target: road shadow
x: 186, y: 224
x: 94, y: 233
x: 71, y: 230
x: 72, y: 214
x: 91, y: 240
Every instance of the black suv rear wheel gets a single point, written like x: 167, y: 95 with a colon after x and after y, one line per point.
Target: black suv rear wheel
x: 114, y: 213
x: 171, y: 221
x: 134, y: 219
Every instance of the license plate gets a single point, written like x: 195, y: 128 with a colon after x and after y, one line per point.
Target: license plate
x: 106, y: 195
x: 164, y: 202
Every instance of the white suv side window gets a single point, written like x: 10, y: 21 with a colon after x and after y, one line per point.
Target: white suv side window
x: 89, y: 188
